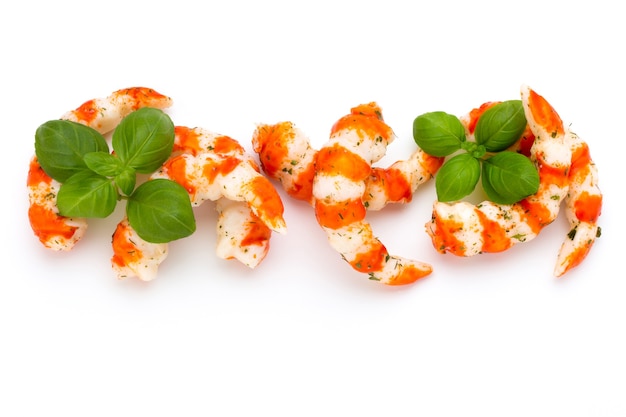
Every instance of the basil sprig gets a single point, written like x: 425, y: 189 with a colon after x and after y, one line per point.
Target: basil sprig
x: 507, y: 177
x: 93, y: 179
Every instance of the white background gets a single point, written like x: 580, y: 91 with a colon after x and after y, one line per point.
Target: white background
x: 303, y: 334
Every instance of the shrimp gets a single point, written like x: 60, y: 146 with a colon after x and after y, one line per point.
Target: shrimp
x: 566, y: 173
x: 224, y: 170
x: 241, y: 234
x: 57, y: 232
x: 103, y: 114
x: 212, y: 167
x: 342, y: 167
x: 340, y: 183
x: 583, y: 206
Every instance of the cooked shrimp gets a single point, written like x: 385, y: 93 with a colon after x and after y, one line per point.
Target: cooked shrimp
x: 342, y: 167
x: 216, y: 167
x: 346, y: 184
x: 102, y: 114
x: 241, y: 234
x: 583, y: 206
x: 224, y: 171
x: 466, y: 230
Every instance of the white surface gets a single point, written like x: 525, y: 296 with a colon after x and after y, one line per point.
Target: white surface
x: 303, y: 334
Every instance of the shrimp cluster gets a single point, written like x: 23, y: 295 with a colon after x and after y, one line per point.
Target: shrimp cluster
x: 340, y: 183
x: 209, y: 166
x: 567, y: 174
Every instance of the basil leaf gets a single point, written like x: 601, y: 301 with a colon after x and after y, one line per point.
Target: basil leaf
x: 103, y: 163
x: 501, y: 125
x: 144, y: 139
x: 60, y: 146
x: 87, y: 194
x: 160, y: 211
x: 126, y: 180
x: 438, y: 133
x: 457, y: 177
x: 509, y: 177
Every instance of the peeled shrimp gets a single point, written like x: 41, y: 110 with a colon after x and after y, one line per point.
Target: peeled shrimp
x: 583, y: 206
x: 566, y: 172
x: 223, y: 170
x: 102, y: 114
x: 212, y: 167
x: 340, y: 183
x: 241, y: 233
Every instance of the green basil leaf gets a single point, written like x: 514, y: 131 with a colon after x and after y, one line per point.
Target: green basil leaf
x: 144, y: 139
x: 509, y: 177
x: 87, y: 194
x: 103, y: 163
x: 501, y: 125
x: 457, y: 177
x: 438, y: 133
x: 126, y: 180
x: 160, y: 211
x: 60, y: 146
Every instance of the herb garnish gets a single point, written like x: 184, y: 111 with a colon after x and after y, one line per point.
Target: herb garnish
x: 93, y: 179
x: 507, y: 176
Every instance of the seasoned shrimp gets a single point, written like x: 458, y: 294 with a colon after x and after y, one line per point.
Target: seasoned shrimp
x: 241, y: 234
x: 583, y: 206
x: 340, y: 183
x: 566, y: 173
x: 224, y: 170
x: 342, y: 167
x: 214, y: 167
x: 102, y: 114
